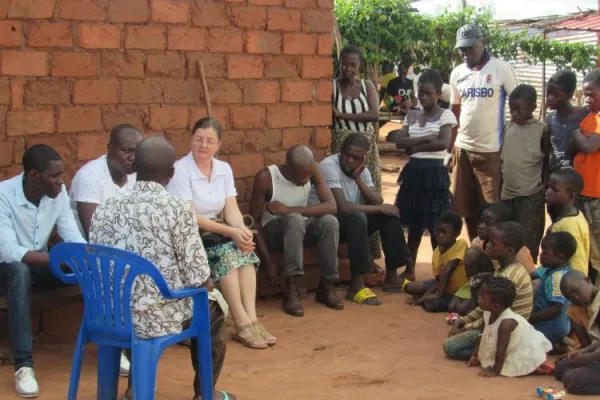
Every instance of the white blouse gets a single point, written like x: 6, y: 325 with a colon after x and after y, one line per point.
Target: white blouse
x: 208, y: 196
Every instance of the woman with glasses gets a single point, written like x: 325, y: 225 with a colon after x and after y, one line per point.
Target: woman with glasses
x: 208, y: 185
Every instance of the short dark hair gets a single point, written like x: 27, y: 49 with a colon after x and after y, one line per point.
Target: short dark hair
x: 119, y: 129
x: 352, y: 49
x: 357, y: 140
x: 593, y: 77
x: 38, y: 157
x: 452, y: 219
x: 562, y: 243
x: 502, y: 290
x: 207, y: 123
x: 501, y: 212
x: 572, y: 179
x: 524, y: 92
x: 566, y: 80
x: 433, y: 77
x: 512, y: 235
x: 476, y: 260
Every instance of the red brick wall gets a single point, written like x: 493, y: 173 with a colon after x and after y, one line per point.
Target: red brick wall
x: 72, y: 69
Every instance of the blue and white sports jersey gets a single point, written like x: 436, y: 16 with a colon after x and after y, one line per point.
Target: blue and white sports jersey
x: 482, y: 95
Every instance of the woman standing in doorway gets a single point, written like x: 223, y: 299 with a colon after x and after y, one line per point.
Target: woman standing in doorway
x: 356, y: 109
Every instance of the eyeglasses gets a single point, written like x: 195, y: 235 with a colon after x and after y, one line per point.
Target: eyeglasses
x: 205, y: 140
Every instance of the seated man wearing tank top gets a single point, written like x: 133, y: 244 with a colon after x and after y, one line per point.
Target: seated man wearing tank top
x: 349, y: 179
x: 288, y: 224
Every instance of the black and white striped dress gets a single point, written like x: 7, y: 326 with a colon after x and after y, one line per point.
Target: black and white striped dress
x: 350, y: 106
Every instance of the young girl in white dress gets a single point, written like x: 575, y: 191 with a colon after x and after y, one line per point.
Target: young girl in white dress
x: 509, y: 346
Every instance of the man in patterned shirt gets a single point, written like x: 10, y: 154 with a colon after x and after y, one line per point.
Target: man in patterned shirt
x: 150, y: 222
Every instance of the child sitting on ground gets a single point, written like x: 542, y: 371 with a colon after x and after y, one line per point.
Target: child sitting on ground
x: 447, y: 265
x: 549, y: 314
x: 580, y: 372
x: 490, y: 216
x: 564, y: 187
x: 509, y: 345
x: 505, y: 239
x: 525, y: 155
x: 465, y: 299
x: 587, y: 163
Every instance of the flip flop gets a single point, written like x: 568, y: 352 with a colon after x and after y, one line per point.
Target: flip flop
x: 362, y: 295
x: 395, y: 289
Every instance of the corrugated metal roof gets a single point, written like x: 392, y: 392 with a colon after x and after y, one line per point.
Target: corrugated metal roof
x: 588, y: 23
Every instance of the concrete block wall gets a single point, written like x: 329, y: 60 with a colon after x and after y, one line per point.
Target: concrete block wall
x: 72, y: 69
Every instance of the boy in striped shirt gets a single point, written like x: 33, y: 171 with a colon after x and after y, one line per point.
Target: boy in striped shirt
x: 505, y: 241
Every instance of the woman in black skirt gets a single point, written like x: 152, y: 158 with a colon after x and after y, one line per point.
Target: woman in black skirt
x: 424, y: 192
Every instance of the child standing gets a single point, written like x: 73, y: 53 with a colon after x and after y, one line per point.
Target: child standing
x: 491, y: 215
x: 580, y: 371
x: 465, y: 299
x: 587, y: 163
x: 564, y: 118
x: 524, y: 157
x: 549, y: 314
x: 424, y: 192
x: 564, y: 187
x: 447, y: 265
x: 505, y: 239
x: 509, y: 345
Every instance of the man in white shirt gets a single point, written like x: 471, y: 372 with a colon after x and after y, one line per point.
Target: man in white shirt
x: 149, y: 221
x: 105, y: 177
x: 349, y: 180
x: 31, y: 205
x: 479, y: 89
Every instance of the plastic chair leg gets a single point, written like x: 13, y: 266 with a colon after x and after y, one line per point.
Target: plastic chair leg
x: 76, y: 366
x: 108, y: 372
x: 205, y: 352
x: 145, y: 356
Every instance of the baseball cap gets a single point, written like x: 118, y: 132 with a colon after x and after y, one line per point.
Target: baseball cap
x: 467, y: 35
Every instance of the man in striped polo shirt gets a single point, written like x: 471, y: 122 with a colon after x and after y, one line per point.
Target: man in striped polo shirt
x: 505, y: 241
x: 479, y: 88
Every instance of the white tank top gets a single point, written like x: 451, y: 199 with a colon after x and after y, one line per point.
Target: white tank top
x: 285, y: 192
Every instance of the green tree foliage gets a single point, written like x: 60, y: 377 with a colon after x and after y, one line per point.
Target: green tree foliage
x: 390, y: 30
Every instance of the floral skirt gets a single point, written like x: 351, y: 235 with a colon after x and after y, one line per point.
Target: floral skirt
x: 225, y: 257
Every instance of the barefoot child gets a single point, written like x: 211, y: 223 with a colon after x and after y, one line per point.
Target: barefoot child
x: 504, y: 241
x: 465, y: 299
x: 549, y: 314
x: 490, y: 216
x: 580, y: 372
x: 447, y: 264
x: 509, y: 345
x: 587, y: 163
x: 564, y: 118
x: 564, y: 187
x: 524, y: 160
x: 424, y: 192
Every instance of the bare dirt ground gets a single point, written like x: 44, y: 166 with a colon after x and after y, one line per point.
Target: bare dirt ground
x: 387, y: 352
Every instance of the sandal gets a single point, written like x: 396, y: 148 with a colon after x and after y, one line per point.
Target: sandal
x: 269, y: 338
x: 363, y: 295
x: 249, y: 336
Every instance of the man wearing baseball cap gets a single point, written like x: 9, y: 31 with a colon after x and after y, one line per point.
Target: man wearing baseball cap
x: 479, y: 89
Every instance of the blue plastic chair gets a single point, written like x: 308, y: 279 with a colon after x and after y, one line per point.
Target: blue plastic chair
x: 107, y: 318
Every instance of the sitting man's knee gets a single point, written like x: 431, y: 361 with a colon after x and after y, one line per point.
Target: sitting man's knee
x: 294, y: 221
x: 356, y: 217
x: 19, y: 273
x: 330, y: 222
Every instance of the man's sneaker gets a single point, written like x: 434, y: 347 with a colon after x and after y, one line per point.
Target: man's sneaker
x: 25, y: 383
x: 124, y: 370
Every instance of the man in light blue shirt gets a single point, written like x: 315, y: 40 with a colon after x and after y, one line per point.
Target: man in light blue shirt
x: 31, y: 205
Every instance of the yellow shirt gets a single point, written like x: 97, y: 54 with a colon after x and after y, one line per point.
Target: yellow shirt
x: 459, y: 275
x: 578, y: 227
x: 385, y: 79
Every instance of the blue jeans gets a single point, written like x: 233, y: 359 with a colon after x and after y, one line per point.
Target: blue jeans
x: 17, y: 282
x: 461, y: 346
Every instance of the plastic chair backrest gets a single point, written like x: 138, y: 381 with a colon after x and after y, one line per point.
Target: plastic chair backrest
x: 106, y: 276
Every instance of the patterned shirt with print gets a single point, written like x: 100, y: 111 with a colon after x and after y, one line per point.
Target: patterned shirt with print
x: 162, y: 228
